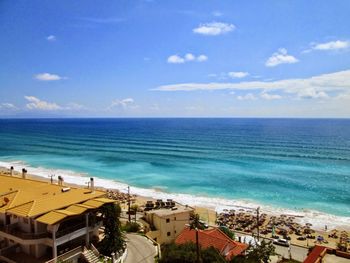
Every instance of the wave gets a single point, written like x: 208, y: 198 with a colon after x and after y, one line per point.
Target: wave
x: 318, y: 219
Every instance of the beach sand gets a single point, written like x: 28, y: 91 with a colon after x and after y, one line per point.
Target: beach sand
x: 208, y: 215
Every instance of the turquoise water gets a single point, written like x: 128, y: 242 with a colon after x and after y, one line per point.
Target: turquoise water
x: 289, y: 163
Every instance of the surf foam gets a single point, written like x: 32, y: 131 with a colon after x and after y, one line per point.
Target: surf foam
x: 318, y: 219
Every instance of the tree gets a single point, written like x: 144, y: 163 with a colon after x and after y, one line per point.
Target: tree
x: 113, y: 240
x: 196, y: 225
x: 259, y: 253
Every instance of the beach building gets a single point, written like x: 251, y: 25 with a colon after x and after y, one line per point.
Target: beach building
x: 322, y: 254
x: 41, y: 220
x: 166, y: 224
x: 213, y: 237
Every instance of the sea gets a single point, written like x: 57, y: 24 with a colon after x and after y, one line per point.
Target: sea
x: 299, y: 167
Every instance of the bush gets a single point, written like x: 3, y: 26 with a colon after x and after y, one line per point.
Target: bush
x: 131, y: 227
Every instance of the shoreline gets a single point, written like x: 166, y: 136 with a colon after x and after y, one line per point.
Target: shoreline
x: 207, y: 205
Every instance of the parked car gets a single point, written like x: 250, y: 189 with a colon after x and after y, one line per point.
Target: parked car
x: 281, y: 242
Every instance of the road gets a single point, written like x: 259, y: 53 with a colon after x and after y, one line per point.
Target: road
x: 140, y: 249
x: 297, y: 253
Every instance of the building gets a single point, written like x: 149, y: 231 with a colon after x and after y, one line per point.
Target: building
x: 166, y: 224
x: 41, y: 220
x: 322, y: 254
x: 213, y: 237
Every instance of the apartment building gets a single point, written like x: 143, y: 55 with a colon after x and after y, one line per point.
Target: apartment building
x: 167, y: 224
x: 43, y: 220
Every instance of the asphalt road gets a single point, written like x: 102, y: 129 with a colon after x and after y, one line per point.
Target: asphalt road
x: 140, y: 249
x: 296, y: 252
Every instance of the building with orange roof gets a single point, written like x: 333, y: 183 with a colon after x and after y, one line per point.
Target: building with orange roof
x: 214, y: 237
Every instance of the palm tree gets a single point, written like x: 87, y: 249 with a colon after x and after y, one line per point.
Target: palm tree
x: 195, y: 224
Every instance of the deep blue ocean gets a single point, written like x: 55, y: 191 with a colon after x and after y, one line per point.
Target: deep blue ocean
x: 289, y: 163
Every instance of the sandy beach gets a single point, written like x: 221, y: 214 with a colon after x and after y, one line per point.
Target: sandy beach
x: 235, y: 219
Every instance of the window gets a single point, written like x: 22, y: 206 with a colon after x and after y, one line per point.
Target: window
x: 168, y: 234
x: 168, y: 220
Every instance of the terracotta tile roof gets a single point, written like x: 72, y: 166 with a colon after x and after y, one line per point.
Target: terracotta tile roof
x: 213, y: 238
x: 316, y: 254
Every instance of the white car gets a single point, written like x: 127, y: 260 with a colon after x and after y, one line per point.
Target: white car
x: 281, y: 242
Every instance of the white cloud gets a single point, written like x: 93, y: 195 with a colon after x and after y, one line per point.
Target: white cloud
x: 176, y: 59
x: 332, y: 45
x: 217, y: 13
x: 189, y: 57
x: 248, y: 96
x: 311, y: 93
x: 124, y: 104
x: 7, y: 106
x: 312, y: 87
x: 280, y: 57
x: 268, y: 96
x: 237, y: 74
x: 214, y: 28
x: 47, y: 77
x: 51, y: 38
x: 75, y: 106
x: 37, y: 104
x: 202, y: 58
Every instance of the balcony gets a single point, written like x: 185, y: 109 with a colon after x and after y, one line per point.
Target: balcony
x: 14, y: 230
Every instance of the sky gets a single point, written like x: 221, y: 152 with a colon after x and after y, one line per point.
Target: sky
x: 162, y: 58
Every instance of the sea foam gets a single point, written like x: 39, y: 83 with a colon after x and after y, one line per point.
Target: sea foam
x: 318, y: 219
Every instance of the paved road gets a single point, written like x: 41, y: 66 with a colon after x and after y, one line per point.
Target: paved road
x: 297, y: 253
x: 140, y: 249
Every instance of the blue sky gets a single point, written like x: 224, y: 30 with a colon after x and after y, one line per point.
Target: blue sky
x: 174, y: 58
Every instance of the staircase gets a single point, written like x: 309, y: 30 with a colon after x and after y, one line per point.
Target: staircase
x: 90, y: 256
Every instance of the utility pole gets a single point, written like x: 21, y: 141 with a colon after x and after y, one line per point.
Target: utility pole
x: 129, y: 203
x: 257, y: 221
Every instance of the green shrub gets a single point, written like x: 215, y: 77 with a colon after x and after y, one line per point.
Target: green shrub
x: 131, y: 227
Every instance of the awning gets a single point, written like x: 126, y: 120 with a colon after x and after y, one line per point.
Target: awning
x: 51, y: 218
x: 98, y: 202
x: 56, y: 216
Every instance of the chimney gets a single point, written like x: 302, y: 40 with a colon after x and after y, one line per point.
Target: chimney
x: 11, y: 170
x: 24, y: 173
x: 92, y: 186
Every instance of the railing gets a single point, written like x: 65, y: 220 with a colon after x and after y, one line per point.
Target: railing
x: 68, y: 230
x: 71, y: 229
x: 6, y: 260
x: 9, y: 250
x: 14, y: 230
x: 94, y: 249
x: 74, y: 253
